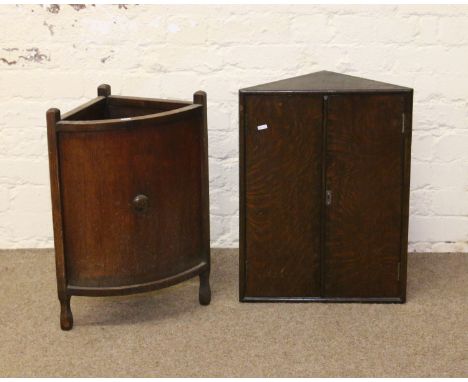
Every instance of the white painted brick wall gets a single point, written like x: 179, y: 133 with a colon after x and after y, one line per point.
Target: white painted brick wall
x: 56, y: 56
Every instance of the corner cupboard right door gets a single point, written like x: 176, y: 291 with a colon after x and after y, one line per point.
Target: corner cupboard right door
x: 364, y: 171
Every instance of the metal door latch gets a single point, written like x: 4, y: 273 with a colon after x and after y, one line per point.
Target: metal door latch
x: 328, y: 197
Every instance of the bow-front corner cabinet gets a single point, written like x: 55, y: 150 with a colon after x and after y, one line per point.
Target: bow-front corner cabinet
x: 324, y: 189
x: 129, y: 182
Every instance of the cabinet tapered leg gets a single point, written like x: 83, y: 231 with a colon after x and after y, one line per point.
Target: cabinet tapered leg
x: 204, y: 294
x: 66, y: 316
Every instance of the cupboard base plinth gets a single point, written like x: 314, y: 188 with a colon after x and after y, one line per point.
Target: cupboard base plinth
x: 382, y: 300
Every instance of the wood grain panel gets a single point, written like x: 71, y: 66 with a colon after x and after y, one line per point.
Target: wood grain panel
x: 107, y: 242
x: 282, y: 195
x: 325, y: 82
x: 364, y: 173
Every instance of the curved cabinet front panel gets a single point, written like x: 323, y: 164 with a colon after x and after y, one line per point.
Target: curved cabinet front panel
x: 132, y: 201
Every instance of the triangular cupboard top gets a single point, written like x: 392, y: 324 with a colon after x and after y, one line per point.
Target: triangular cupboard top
x: 326, y: 82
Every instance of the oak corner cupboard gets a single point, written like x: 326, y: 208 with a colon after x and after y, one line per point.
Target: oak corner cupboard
x: 129, y: 183
x: 324, y: 189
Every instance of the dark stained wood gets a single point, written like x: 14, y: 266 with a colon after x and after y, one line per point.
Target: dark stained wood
x: 124, y: 123
x: 323, y: 194
x: 408, y: 116
x: 107, y: 243
x: 90, y: 110
x: 66, y: 318
x: 104, y: 90
x: 361, y: 157
x: 107, y: 106
x: 124, y: 107
x: 325, y: 82
x: 163, y: 104
x: 130, y: 199
x: 242, y: 198
x: 282, y: 195
x: 364, y: 176
x: 204, y: 295
x: 117, y: 107
x: 383, y: 300
x: 139, y: 287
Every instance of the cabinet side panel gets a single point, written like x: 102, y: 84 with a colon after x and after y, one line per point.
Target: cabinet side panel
x: 242, y: 243
x: 282, y: 195
x: 364, y: 179
x: 406, y: 193
x: 108, y: 241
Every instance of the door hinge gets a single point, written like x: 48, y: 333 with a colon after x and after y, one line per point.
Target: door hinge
x: 403, y: 123
x: 328, y: 197
x: 398, y: 271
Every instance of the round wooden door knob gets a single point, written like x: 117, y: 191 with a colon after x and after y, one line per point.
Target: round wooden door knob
x: 140, y: 203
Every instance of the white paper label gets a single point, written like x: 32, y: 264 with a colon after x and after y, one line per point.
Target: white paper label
x: 262, y: 127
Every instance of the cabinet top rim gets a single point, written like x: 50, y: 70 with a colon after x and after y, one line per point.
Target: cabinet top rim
x: 325, y: 82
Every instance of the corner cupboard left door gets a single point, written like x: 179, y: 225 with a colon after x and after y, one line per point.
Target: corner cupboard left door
x: 281, y: 182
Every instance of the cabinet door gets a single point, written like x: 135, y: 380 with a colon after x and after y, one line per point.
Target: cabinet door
x: 109, y: 242
x: 281, y: 179
x: 364, y: 165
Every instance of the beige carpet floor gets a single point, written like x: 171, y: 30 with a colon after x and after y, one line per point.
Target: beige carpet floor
x: 167, y: 333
